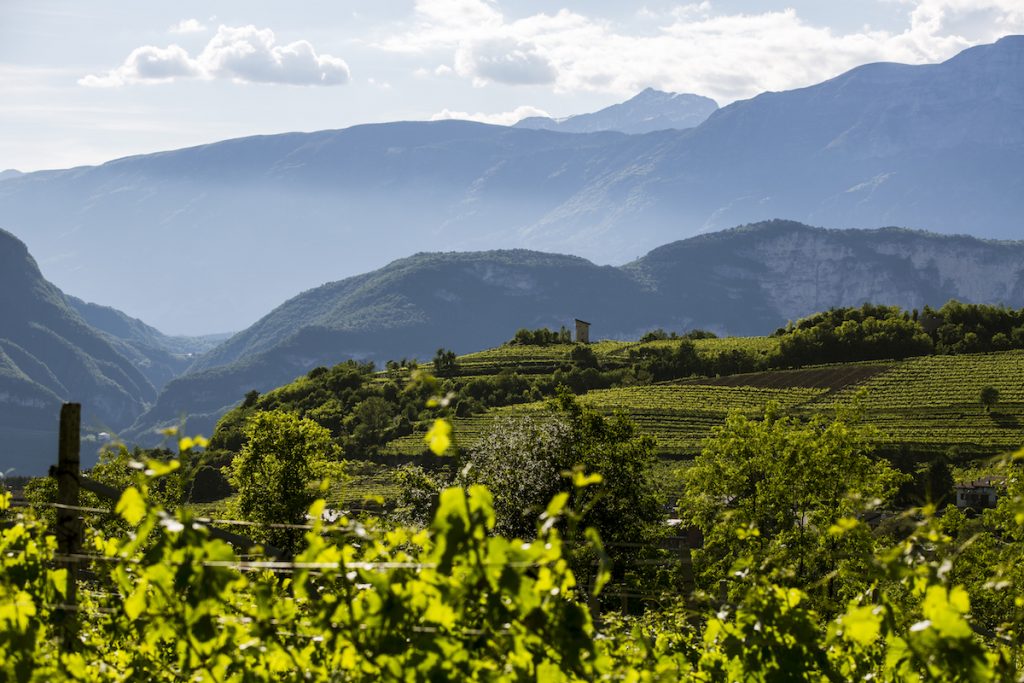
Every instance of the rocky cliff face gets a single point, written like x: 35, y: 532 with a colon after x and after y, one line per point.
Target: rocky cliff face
x: 749, y: 279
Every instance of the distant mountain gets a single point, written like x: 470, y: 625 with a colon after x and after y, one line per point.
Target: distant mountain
x: 647, y: 112
x: 9, y: 173
x: 748, y: 280
x: 212, y: 237
x: 160, y: 357
x: 49, y: 354
x: 56, y: 348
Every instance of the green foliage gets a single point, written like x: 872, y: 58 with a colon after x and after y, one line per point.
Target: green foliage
x: 541, y: 337
x: 847, y: 334
x: 444, y: 362
x: 274, y: 473
x: 457, y: 601
x: 776, y: 496
x: 989, y: 397
x: 521, y: 460
x: 452, y: 602
x: 529, y: 461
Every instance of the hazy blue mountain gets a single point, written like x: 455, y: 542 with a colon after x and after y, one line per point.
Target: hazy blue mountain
x: 49, y: 354
x: 748, y: 280
x: 9, y: 173
x: 158, y: 356
x: 648, y: 111
x: 212, y: 237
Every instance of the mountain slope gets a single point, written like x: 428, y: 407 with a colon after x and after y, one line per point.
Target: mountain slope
x: 158, y: 356
x: 649, y: 111
x: 748, y: 280
x: 49, y: 354
x: 933, y: 146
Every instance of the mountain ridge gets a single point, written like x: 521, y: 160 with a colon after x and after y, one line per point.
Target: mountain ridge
x: 747, y: 280
x: 649, y: 111
x: 930, y: 146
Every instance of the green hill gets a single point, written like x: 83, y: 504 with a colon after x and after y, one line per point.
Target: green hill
x: 50, y: 353
x: 745, y: 281
x: 677, y: 390
x: 922, y: 405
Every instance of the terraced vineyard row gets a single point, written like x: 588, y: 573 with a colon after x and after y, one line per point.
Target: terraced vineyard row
x: 929, y: 402
x: 545, y: 359
x: 939, y: 381
x: 679, y: 416
x: 938, y: 429
x: 832, y: 377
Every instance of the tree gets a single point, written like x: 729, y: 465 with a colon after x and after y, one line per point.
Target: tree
x: 939, y: 482
x: 584, y: 357
x: 371, y: 421
x: 771, y: 490
x: 521, y: 461
x: 525, y: 463
x: 282, y: 457
x: 989, y: 397
x: 444, y: 362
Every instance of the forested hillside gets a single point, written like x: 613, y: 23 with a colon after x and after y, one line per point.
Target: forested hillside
x: 749, y: 280
x: 56, y: 348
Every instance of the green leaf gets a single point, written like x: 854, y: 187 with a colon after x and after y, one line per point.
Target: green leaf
x: 131, y: 506
x: 579, y: 479
x: 160, y: 468
x: 862, y: 625
x: 557, y: 505
x: 59, y: 580
x: 135, y: 604
x: 439, y: 438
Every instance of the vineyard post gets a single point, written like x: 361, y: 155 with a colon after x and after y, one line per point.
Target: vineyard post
x: 69, y: 529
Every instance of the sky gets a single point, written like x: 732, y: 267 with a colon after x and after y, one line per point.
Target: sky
x: 86, y: 82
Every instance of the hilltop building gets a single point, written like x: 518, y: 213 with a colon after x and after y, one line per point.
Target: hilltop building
x: 582, y: 332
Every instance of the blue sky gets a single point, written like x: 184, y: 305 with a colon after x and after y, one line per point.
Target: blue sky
x: 85, y: 82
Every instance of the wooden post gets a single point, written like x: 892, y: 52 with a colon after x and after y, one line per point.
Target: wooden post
x: 69, y: 526
x: 592, y: 602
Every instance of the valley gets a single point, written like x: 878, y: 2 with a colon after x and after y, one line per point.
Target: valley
x: 660, y: 391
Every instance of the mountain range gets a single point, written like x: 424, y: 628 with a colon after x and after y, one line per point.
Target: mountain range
x: 133, y: 379
x: 211, y: 237
x: 745, y: 281
x: 650, y: 111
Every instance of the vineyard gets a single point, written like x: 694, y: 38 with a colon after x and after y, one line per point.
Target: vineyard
x: 546, y: 359
x: 930, y: 402
x: 374, y: 595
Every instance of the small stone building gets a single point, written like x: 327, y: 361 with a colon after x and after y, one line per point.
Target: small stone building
x: 978, y: 494
x: 582, y: 332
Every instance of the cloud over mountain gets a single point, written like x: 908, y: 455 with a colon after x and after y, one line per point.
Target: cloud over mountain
x: 244, y: 54
x: 504, y: 60
x: 697, y: 47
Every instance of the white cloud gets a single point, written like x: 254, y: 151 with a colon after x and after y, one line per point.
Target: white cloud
x: 148, y: 64
x: 187, y: 26
x: 693, y: 49
x: 504, y: 60
x: 248, y: 54
x: 503, y: 119
x: 244, y: 54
